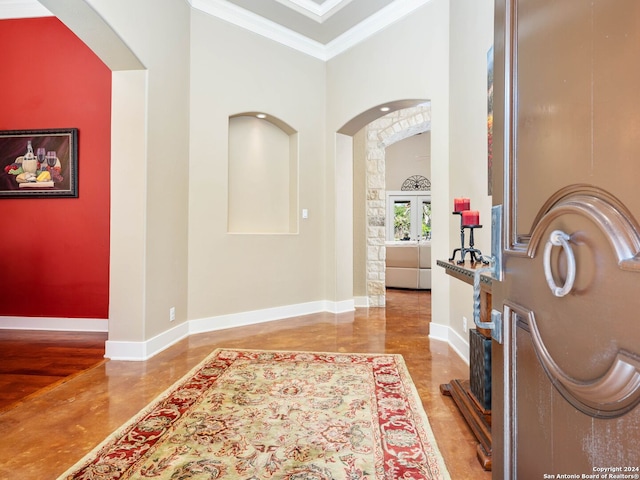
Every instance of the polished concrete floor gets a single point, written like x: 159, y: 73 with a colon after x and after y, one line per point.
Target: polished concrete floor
x: 36, y: 360
x: 44, y: 435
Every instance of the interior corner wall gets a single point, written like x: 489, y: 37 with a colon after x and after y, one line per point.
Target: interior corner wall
x: 468, y: 130
x: 55, y: 260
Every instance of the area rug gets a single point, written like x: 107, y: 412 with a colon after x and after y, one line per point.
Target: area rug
x: 257, y: 415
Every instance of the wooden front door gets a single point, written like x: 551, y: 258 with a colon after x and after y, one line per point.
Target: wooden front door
x: 566, y: 379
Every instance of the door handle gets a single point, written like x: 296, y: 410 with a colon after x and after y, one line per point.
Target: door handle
x: 494, y: 267
x: 559, y: 239
x: 495, y: 325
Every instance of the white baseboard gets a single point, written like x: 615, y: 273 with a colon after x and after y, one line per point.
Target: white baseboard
x: 242, y: 319
x: 55, y: 324
x: 137, y: 351
x: 144, y: 350
x: 447, y: 334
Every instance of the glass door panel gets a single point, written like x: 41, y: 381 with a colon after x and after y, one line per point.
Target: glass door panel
x: 408, y: 217
x: 402, y: 220
x: 425, y: 220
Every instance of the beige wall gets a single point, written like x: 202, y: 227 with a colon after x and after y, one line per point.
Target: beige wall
x: 468, y: 151
x: 260, y: 184
x: 167, y: 151
x: 438, y: 53
x: 170, y: 245
x: 359, y: 216
x: 406, y: 158
x: 235, y: 71
x: 408, y: 59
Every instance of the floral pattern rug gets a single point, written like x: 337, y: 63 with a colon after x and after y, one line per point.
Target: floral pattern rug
x: 257, y: 415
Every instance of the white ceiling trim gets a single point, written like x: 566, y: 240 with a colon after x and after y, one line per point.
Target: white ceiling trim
x: 274, y: 31
x: 22, y: 9
x: 240, y: 17
x: 376, y: 22
x: 314, y: 11
x: 243, y: 18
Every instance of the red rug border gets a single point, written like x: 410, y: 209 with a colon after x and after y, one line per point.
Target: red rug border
x: 414, y: 399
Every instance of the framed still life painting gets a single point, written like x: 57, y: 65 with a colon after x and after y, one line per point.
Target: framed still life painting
x: 39, y: 163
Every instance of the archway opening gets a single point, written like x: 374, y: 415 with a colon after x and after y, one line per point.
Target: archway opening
x: 378, y: 130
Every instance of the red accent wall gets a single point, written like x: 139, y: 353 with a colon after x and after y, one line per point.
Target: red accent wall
x: 54, y: 252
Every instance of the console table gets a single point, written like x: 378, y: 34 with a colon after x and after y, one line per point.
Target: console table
x: 473, y: 396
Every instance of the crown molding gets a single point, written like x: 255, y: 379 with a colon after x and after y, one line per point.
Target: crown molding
x: 243, y: 18
x: 375, y: 23
x: 247, y: 20
x: 314, y: 11
x: 240, y: 17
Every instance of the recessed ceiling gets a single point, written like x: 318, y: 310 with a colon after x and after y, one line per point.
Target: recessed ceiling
x: 321, y: 21
x: 321, y: 28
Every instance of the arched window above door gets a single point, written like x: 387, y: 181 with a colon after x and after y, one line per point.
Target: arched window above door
x: 416, y: 182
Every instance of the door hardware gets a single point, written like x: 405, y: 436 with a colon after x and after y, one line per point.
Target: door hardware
x: 559, y: 239
x: 495, y: 325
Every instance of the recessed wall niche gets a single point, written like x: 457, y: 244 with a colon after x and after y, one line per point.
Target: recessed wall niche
x: 263, y: 175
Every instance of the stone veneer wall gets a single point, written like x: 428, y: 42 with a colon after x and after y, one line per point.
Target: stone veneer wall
x: 380, y: 134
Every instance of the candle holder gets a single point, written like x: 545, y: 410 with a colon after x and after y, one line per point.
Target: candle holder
x: 474, y: 254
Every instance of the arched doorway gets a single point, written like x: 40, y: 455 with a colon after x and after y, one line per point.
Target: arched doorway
x: 370, y: 142
x: 381, y: 133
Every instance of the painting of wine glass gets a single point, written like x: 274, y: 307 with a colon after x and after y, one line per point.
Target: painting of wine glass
x: 39, y: 163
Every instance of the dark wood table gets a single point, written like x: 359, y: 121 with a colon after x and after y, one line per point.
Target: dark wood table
x: 472, y: 396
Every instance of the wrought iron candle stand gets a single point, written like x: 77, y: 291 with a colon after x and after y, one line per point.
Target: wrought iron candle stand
x: 453, y: 255
x: 474, y: 254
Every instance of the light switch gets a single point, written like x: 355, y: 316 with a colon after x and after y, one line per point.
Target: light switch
x: 305, y: 213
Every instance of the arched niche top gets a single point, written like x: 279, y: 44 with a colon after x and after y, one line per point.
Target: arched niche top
x: 281, y: 124
x: 262, y: 171
x: 358, y: 122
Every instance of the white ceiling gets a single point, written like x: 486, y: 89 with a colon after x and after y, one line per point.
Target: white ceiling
x: 321, y: 28
x: 319, y: 20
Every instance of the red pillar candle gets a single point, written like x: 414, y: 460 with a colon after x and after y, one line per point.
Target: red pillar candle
x: 470, y: 217
x: 460, y: 204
